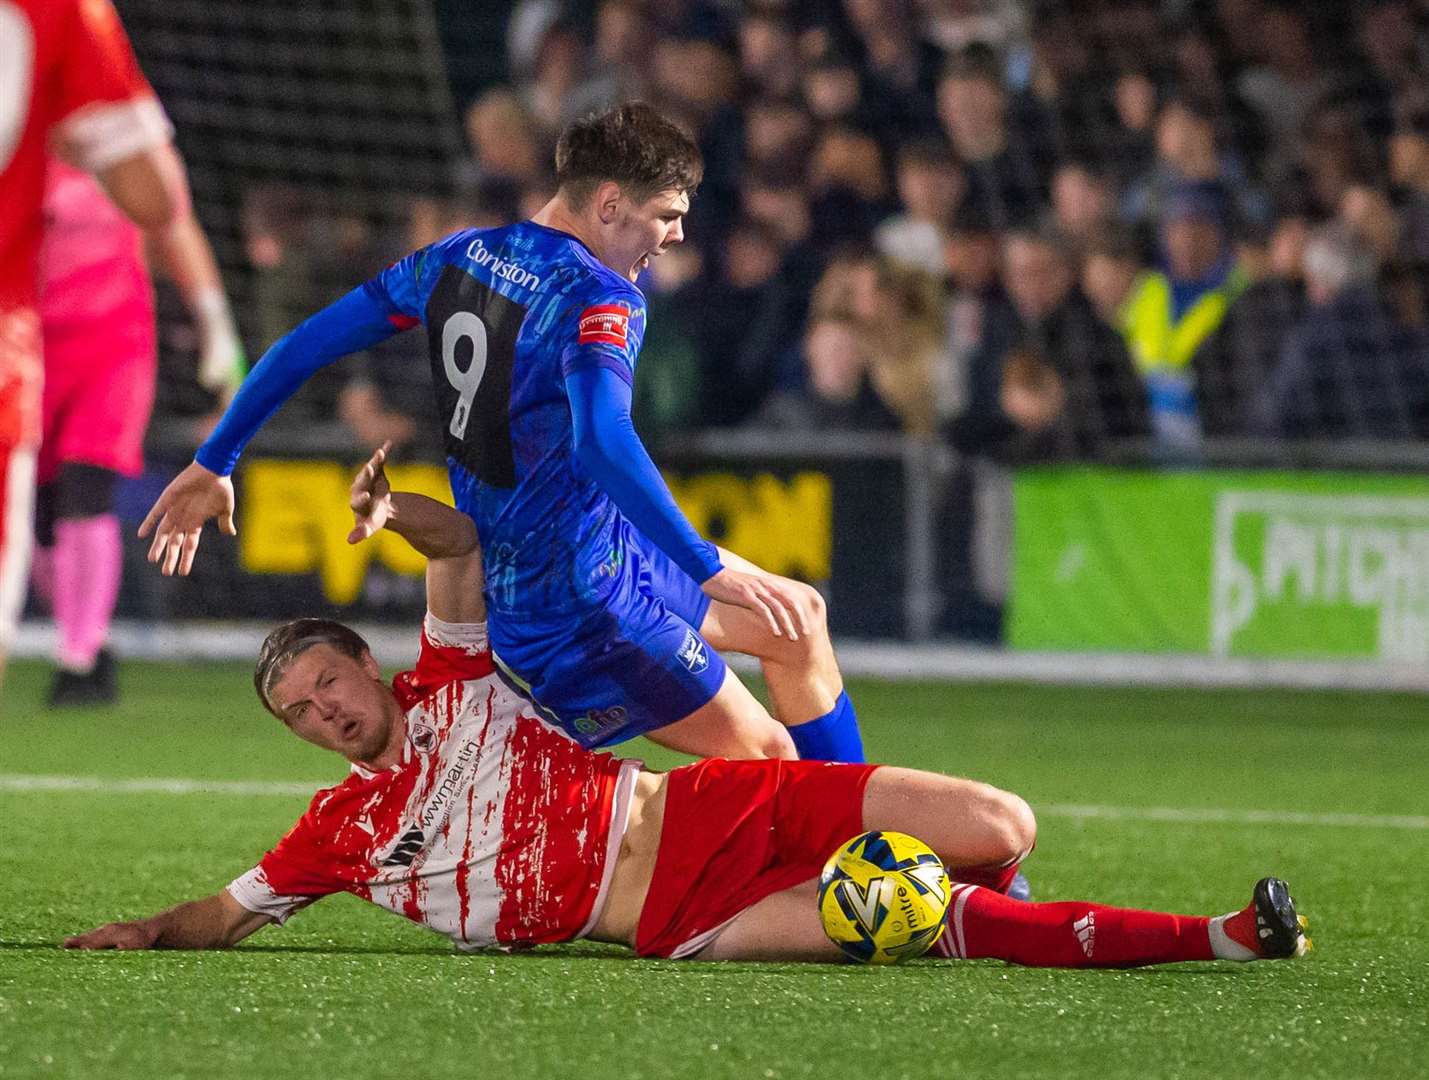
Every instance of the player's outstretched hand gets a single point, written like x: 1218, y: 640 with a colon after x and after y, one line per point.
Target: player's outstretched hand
x: 371, y: 497
x: 191, y: 498
x: 774, y: 598
x: 116, y: 935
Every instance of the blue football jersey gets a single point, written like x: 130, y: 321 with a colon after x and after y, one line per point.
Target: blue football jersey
x: 509, y: 313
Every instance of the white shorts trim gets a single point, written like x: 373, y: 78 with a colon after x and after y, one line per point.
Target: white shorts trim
x: 691, y: 949
x: 619, y: 819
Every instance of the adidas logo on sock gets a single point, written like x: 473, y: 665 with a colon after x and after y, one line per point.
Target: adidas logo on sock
x: 1086, y: 931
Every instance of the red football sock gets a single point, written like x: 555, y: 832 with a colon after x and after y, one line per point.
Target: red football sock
x: 983, y: 923
x: 998, y: 878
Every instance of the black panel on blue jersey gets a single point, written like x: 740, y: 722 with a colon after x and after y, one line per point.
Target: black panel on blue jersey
x: 472, y: 331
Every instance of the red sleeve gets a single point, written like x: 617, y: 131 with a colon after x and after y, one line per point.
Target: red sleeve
x: 97, y: 64
x: 105, y: 112
x: 439, y: 664
x: 301, y: 863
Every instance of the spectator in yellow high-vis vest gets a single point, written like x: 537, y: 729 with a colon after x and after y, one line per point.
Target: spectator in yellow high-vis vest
x: 1173, y: 310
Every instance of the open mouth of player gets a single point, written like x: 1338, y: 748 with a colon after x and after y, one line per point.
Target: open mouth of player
x: 349, y: 729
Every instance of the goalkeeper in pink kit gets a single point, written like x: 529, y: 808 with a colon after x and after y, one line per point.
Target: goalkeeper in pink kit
x: 100, y: 344
x: 466, y: 812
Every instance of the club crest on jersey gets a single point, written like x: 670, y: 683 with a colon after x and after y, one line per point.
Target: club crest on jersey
x: 424, y: 738
x: 692, y: 653
x: 604, y: 324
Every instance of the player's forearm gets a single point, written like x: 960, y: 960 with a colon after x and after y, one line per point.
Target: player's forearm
x: 434, y: 529
x: 184, y: 255
x: 447, y: 537
x: 197, y: 924
x: 150, y: 187
x: 215, y: 922
x: 635, y: 486
x: 182, y: 251
x: 357, y: 321
x: 610, y: 451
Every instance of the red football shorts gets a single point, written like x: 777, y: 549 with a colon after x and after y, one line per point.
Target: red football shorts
x: 98, y: 393
x: 736, y: 832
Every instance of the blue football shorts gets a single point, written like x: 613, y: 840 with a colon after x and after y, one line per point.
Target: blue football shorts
x: 618, y: 671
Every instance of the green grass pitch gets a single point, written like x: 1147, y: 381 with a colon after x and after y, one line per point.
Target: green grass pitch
x: 347, y: 991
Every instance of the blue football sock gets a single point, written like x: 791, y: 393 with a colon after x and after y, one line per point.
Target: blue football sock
x: 832, y: 737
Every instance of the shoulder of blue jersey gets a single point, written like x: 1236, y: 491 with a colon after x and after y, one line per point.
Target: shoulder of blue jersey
x: 538, y: 259
x: 492, y: 250
x: 605, y: 285
x: 609, y: 310
x: 558, y: 273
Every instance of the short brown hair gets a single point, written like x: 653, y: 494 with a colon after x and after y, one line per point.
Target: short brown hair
x: 634, y: 146
x: 290, y: 641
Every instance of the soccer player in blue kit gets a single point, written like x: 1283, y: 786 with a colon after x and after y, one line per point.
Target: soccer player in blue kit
x: 605, y: 605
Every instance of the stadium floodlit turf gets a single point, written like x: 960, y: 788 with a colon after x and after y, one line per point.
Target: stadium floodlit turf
x: 1168, y: 799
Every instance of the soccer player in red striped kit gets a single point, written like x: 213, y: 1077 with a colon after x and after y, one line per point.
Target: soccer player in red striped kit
x: 468, y: 813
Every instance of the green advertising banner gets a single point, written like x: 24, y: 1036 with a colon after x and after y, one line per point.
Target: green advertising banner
x: 1235, y: 564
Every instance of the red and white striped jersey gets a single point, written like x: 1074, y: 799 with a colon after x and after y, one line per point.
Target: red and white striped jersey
x: 494, y: 828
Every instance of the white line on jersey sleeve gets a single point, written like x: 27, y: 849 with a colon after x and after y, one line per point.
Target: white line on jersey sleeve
x: 253, y: 892
x: 101, y: 135
x: 471, y: 637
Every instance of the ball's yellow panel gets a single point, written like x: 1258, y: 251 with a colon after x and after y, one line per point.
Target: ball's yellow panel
x: 883, y: 897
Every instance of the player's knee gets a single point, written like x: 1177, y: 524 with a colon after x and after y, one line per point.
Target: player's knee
x: 1016, y: 825
x: 813, y: 643
x: 774, y: 742
x: 1003, y: 824
x: 814, y: 611
x: 82, y: 490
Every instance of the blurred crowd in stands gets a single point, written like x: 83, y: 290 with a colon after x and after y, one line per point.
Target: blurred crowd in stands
x: 1030, y: 229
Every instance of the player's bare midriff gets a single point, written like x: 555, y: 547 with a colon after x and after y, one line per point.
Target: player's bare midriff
x: 635, y: 865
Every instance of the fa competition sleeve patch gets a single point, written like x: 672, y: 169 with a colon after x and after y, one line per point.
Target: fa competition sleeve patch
x: 604, y: 324
x: 606, y: 335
